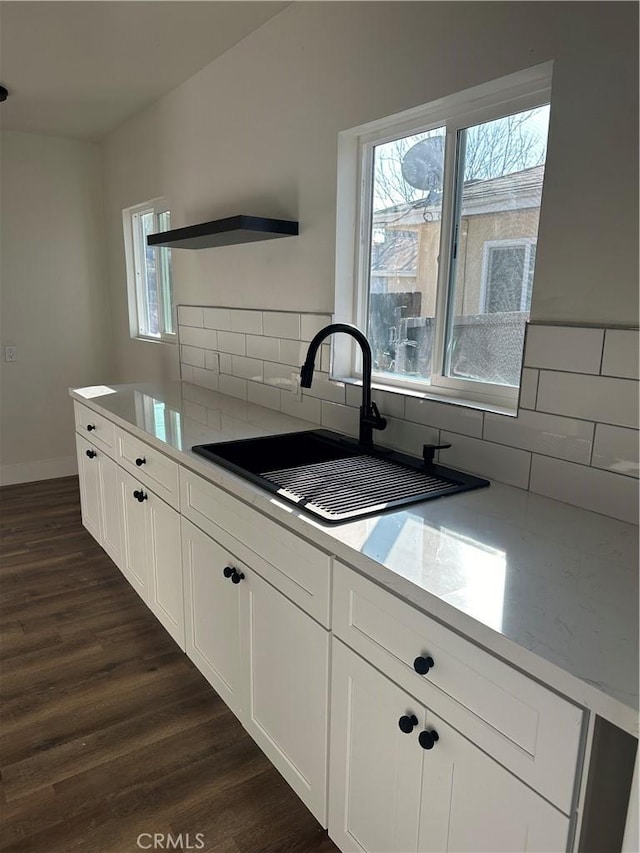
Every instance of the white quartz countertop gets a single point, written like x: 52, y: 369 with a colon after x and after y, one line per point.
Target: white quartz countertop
x: 550, y: 588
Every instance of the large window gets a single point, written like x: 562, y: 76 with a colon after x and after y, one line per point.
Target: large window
x: 446, y: 200
x: 151, y: 311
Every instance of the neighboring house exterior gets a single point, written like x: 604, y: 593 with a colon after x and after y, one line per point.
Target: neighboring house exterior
x: 495, y: 258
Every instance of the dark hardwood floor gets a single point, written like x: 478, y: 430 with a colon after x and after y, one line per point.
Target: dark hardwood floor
x: 107, y: 730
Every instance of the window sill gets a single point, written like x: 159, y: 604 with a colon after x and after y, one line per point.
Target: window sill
x: 173, y: 339
x: 493, y: 408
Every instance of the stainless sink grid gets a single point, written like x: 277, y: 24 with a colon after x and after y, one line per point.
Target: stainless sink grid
x: 359, y: 484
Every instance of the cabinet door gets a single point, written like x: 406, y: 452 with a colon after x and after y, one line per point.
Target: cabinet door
x: 212, y: 613
x: 111, y: 515
x: 375, y: 767
x: 165, y: 595
x: 390, y: 794
x: 89, y: 476
x: 286, y: 660
x: 135, y: 547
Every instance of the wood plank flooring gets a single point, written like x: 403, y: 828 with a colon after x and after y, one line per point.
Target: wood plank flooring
x: 107, y: 730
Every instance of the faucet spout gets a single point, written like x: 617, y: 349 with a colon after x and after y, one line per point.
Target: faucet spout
x: 370, y: 417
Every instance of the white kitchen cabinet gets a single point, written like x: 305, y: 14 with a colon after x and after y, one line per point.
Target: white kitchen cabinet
x: 152, y: 559
x: 286, y: 660
x: 212, y: 613
x: 99, y: 497
x: 389, y: 794
x: 264, y: 656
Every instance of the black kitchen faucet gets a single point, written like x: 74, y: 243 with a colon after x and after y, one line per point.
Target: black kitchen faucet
x: 370, y: 417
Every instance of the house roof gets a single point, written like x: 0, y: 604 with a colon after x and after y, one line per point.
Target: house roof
x: 516, y: 191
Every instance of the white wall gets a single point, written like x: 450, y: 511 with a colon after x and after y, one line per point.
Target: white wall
x: 54, y: 305
x: 255, y: 132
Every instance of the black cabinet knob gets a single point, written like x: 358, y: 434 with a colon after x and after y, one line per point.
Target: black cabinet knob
x: 236, y: 577
x: 90, y: 427
x: 228, y: 571
x: 91, y: 453
x: 422, y: 665
x: 407, y: 723
x: 140, y: 495
x: 428, y: 739
x: 140, y: 461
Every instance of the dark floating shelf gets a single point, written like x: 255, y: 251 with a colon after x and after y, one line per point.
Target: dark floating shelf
x: 224, y: 232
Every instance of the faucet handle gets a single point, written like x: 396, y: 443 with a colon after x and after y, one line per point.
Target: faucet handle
x: 376, y: 419
x: 428, y: 452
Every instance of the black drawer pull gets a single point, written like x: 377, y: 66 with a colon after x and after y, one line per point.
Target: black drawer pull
x: 139, y: 495
x: 90, y: 427
x: 427, y: 740
x: 228, y: 571
x: 407, y: 723
x: 422, y: 665
x: 140, y: 461
x: 236, y: 577
x: 91, y: 453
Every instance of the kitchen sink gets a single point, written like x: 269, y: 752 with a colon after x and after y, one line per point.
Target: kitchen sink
x: 335, y: 478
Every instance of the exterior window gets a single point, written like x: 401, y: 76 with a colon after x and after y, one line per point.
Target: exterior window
x: 447, y: 208
x: 151, y: 311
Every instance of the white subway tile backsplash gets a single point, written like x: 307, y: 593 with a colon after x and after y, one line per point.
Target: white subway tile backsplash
x: 406, y: 436
x: 206, y: 378
x: 567, y: 348
x: 310, y: 324
x: 575, y: 437
x: 552, y: 435
x: 278, y: 374
x: 590, y: 488
x: 192, y: 355
x: 246, y: 321
x: 528, y: 388
x: 306, y: 408
x: 293, y: 352
x: 197, y: 337
x: 391, y: 405
x: 264, y: 395
x: 189, y: 315
x: 444, y: 416
x: 212, y: 361
x: 495, y: 461
x: 267, y: 349
x: 233, y: 386
x: 323, y: 388
x: 621, y: 353
x: 616, y: 449
x: 594, y: 398
x: 340, y: 418
x: 281, y: 324
x: 218, y: 318
x: 232, y: 342
x: 247, y: 368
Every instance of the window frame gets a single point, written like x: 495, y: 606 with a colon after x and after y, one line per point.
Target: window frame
x: 135, y: 250
x: 517, y: 92
x: 527, y: 243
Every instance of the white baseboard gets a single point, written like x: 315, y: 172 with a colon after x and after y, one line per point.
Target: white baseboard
x: 39, y: 469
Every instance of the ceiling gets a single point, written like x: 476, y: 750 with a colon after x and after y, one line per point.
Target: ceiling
x: 80, y: 68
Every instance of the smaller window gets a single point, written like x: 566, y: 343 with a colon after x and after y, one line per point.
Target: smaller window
x: 151, y: 310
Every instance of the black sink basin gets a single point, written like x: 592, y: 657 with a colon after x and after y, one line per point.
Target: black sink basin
x: 335, y: 478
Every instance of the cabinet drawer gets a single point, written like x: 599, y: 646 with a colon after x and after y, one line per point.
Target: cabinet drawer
x: 523, y: 725
x: 95, y: 428
x: 292, y: 565
x: 149, y: 466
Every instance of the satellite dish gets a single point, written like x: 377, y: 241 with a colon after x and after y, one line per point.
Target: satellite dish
x: 423, y: 162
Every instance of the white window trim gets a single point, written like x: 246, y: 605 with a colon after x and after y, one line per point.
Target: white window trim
x: 135, y: 294
x: 517, y: 92
x: 526, y: 243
